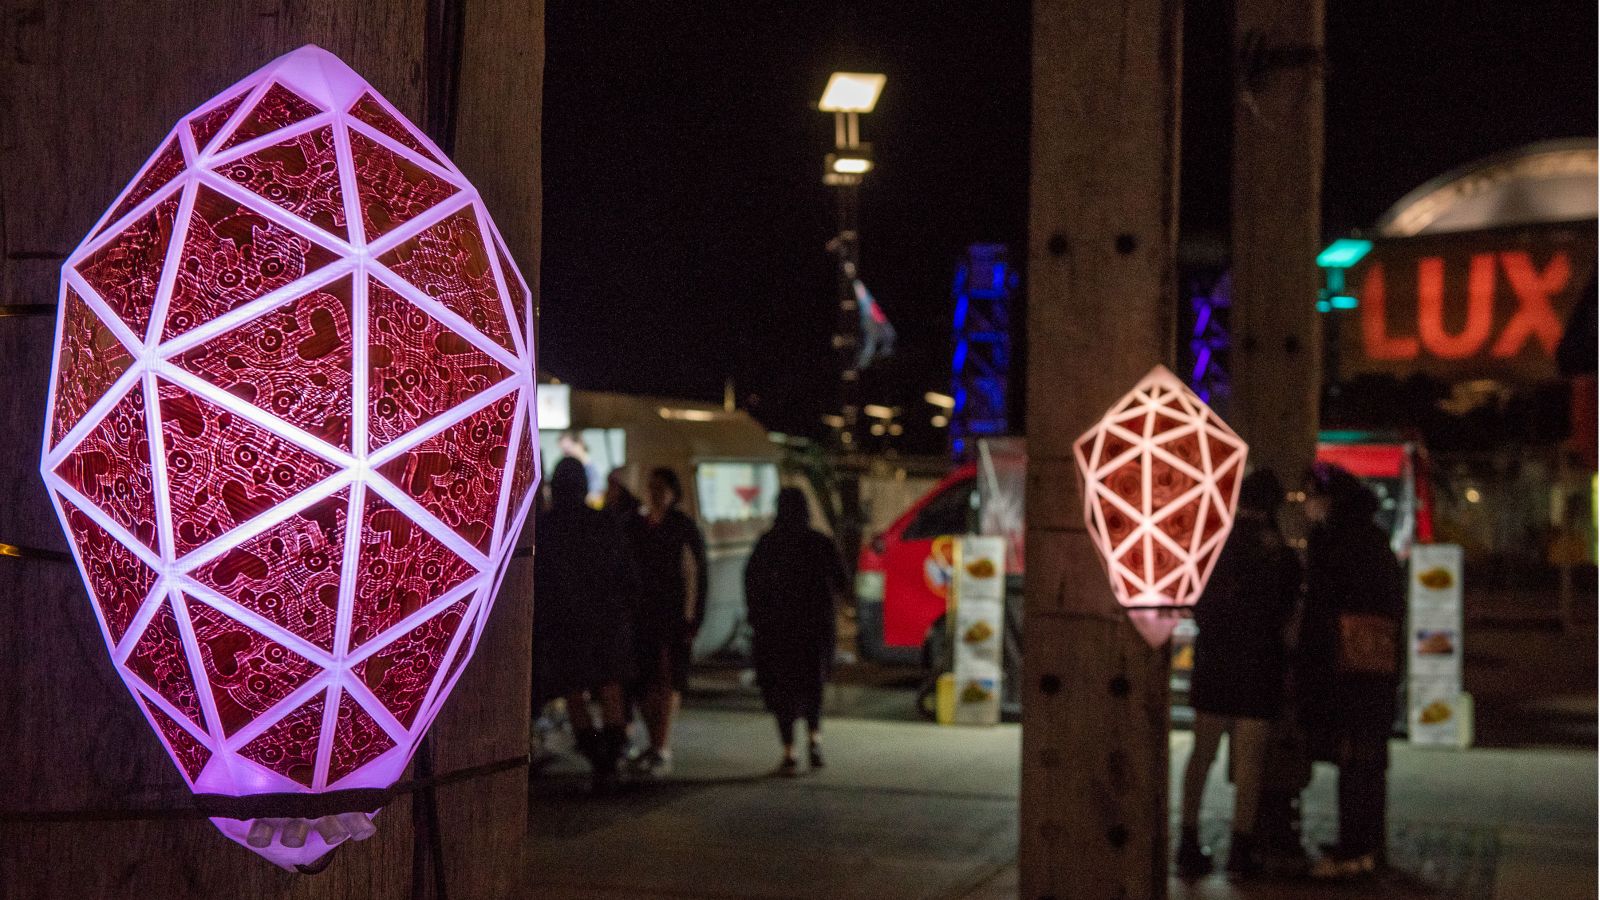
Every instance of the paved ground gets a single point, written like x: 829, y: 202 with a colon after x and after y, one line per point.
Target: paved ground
x: 906, y: 809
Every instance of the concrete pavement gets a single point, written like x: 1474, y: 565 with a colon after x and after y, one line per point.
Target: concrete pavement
x: 906, y: 809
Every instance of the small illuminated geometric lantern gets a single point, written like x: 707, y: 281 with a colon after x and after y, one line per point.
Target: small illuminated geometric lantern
x: 291, y: 438
x: 1160, y: 474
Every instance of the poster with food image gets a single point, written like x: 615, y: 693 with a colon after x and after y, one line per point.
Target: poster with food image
x: 1437, y: 717
x: 1435, y: 652
x: 1435, y: 642
x: 1434, y: 645
x: 977, y: 615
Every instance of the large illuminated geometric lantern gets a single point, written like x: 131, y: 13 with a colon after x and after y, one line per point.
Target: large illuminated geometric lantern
x: 1160, y: 474
x: 291, y: 438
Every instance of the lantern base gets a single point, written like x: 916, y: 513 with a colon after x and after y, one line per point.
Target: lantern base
x: 1154, y: 625
x: 266, y: 838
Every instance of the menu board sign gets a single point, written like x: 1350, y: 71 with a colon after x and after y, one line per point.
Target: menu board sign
x: 977, y: 611
x: 1433, y: 641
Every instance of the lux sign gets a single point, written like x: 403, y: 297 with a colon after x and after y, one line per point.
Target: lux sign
x: 1465, y: 306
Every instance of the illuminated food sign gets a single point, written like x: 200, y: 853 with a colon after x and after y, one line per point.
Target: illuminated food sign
x: 290, y: 438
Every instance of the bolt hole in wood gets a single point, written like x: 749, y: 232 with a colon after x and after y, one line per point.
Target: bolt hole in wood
x: 1126, y: 244
x: 1057, y: 245
x: 1050, y: 685
x: 1119, y: 686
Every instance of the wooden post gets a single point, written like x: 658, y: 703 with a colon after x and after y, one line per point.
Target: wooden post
x: 1277, y: 231
x: 1106, y: 79
x: 87, y: 90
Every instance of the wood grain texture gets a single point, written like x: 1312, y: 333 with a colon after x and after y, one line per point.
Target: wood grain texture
x: 1102, y: 236
x: 87, y: 90
x: 1277, y: 231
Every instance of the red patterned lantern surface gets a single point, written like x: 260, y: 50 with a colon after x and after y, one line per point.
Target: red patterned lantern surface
x: 291, y: 438
x: 1161, y: 476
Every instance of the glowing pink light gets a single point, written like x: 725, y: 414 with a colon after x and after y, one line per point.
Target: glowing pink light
x: 1160, y: 474
x: 290, y: 436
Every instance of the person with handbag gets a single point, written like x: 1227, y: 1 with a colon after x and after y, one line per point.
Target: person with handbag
x: 1350, y: 660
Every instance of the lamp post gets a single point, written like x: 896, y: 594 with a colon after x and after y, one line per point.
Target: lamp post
x: 847, y: 96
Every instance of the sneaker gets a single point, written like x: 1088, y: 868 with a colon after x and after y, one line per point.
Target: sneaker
x: 652, y: 765
x: 637, y: 761
x: 788, y: 768
x: 816, y: 757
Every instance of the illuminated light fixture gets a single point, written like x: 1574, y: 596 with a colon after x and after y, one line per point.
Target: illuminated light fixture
x: 877, y: 429
x: 1473, y: 495
x: 852, y: 92
x: 939, y: 421
x: 1324, y: 306
x: 833, y: 421
x: 687, y: 415
x: 1343, y: 253
x: 291, y: 508
x: 896, y: 430
x: 1343, y: 301
x: 943, y: 401
x: 878, y: 411
x: 843, y: 164
x: 1160, y: 474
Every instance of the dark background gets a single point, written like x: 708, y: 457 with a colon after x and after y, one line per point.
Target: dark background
x: 685, y: 216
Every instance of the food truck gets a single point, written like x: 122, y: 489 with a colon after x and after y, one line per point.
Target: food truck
x: 724, y: 458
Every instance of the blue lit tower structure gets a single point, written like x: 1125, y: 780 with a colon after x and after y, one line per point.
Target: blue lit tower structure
x: 1209, y: 341
x: 980, y: 364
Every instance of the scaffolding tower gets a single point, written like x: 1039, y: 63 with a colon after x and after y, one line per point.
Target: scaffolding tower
x: 980, y: 364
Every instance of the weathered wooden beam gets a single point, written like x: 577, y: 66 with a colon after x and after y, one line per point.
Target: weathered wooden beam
x: 1101, y: 307
x: 87, y: 90
x: 1277, y: 231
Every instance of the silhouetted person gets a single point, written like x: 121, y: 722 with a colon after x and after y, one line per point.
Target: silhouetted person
x: 671, y: 556
x: 1350, y: 645
x: 790, y: 586
x: 584, y: 590
x: 620, y: 503
x: 1236, y: 687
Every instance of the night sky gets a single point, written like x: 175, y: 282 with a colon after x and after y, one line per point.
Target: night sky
x: 684, y: 215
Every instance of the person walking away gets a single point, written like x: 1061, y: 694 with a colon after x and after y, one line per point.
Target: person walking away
x: 671, y: 557
x: 791, y: 586
x: 584, y: 589
x: 1236, y: 686
x: 1350, y: 646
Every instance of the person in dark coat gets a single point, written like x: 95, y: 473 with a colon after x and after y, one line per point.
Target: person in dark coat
x: 671, y: 557
x: 1236, y: 686
x: 1350, y: 658
x: 584, y: 590
x: 790, y: 587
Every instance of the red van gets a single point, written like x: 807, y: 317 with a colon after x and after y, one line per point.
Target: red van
x: 903, y: 574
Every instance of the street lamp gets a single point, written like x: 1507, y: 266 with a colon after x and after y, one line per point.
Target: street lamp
x: 847, y: 96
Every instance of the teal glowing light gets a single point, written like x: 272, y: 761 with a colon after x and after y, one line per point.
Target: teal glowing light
x: 1322, y: 306
x: 1342, y: 301
x: 1343, y: 253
